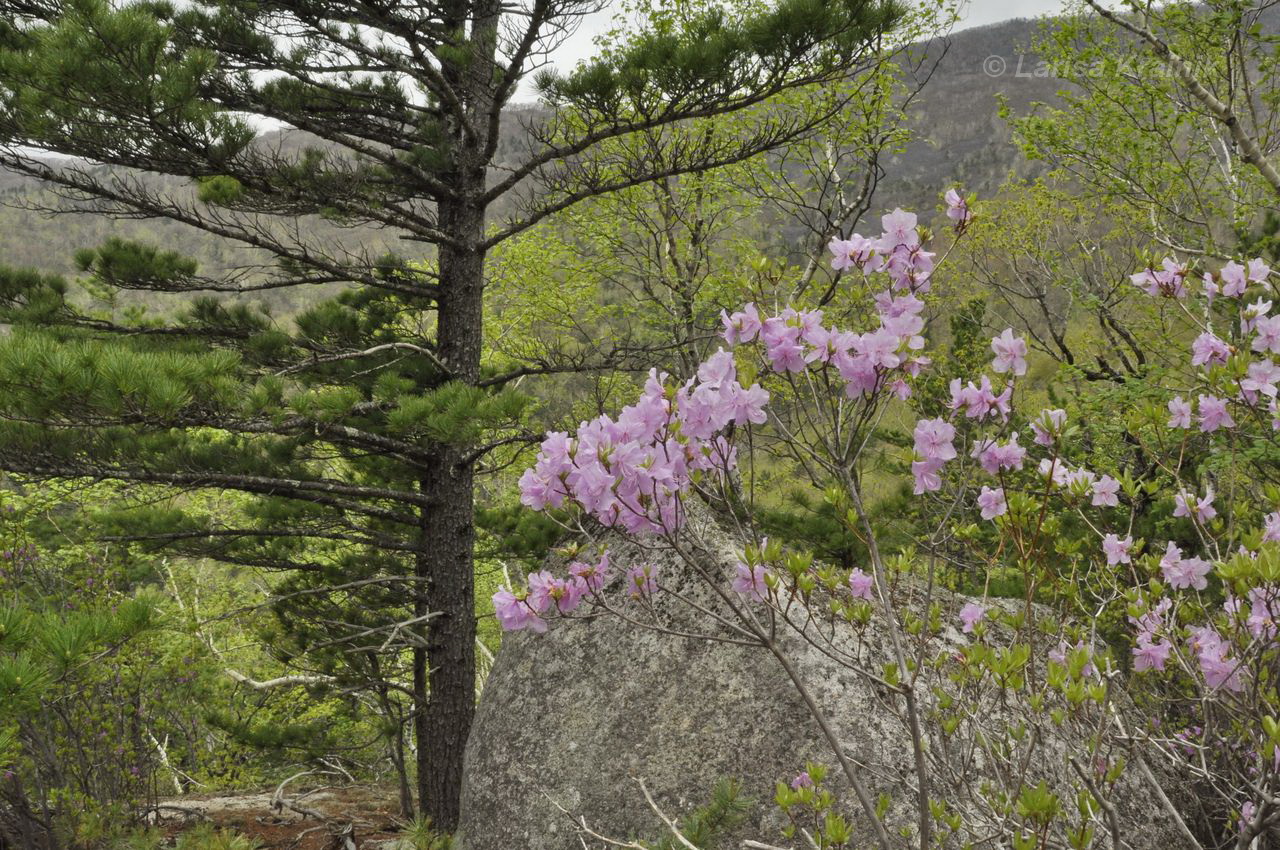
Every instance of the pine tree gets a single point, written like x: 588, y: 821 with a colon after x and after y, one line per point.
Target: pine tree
x: 356, y: 428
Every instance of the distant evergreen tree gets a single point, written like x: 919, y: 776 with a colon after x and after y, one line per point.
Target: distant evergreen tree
x: 356, y: 430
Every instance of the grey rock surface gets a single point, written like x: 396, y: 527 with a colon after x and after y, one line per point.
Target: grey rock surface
x: 573, y: 720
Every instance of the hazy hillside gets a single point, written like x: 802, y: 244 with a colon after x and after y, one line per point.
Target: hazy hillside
x: 960, y: 137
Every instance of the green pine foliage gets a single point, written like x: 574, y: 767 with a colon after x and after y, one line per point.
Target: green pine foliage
x: 706, y: 827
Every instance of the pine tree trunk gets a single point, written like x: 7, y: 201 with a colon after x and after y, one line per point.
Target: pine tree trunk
x: 445, y: 675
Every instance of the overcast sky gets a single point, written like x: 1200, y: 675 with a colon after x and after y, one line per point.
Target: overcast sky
x: 977, y: 13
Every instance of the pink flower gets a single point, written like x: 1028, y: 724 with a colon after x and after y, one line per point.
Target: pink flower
x: 1210, y: 287
x: 860, y: 584
x: 957, y: 208
x: 1268, y: 338
x: 1170, y: 563
x: 742, y: 326
x: 1150, y: 656
x: 899, y: 229
x: 542, y: 584
x: 1250, y: 315
x: 593, y: 575
x: 750, y: 582
x: 1259, y: 272
x: 1264, y: 610
x: 568, y: 593
x: 1184, y: 573
x: 1271, y: 531
x: 1208, y: 349
x: 1179, y: 413
x: 1080, y: 481
x: 979, y: 401
x: 1214, y: 414
x: 748, y: 404
x: 970, y: 615
x: 1011, y: 353
x: 1153, y: 620
x: 1247, y: 814
x: 1261, y: 377
x: 927, y: 479
x: 1106, y: 492
x: 1047, y: 426
x: 642, y: 581
x: 1055, y: 470
x: 992, y: 502
x: 1169, y: 282
x: 933, y: 439
x: 786, y: 356
x: 803, y: 780
x: 514, y: 614
x: 1186, y: 505
x: 1234, y: 281
x: 1216, y: 666
x: 1116, y: 550
x: 994, y: 456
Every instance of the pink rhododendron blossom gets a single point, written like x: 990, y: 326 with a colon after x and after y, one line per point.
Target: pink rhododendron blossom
x: 642, y: 581
x: 541, y: 584
x: 992, y: 502
x: 1208, y: 350
x: 567, y: 593
x: 742, y: 326
x: 802, y: 780
x: 933, y: 439
x: 1054, y: 470
x: 957, y: 208
x: 980, y: 401
x: 1186, y: 573
x: 750, y: 582
x: 1150, y: 656
x: 1261, y: 377
x: 631, y: 472
x: 860, y: 584
x: 1153, y: 620
x: 1186, y: 505
x: 1271, y: 528
x: 854, y: 252
x: 1234, y: 280
x: 1264, y: 610
x: 970, y: 615
x: 1047, y: 426
x: 1105, y: 492
x: 786, y: 356
x: 1248, y: 812
x: 1216, y: 665
x: 594, y: 575
x: 1116, y: 550
x: 1080, y: 481
x: 1268, y: 335
x: 1259, y: 271
x: 925, y: 473
x: 1209, y: 286
x: 1179, y: 413
x: 514, y: 613
x: 994, y: 457
x: 1214, y: 414
x: 899, y: 229
x: 1011, y: 353
x: 1168, y: 282
x: 1251, y: 313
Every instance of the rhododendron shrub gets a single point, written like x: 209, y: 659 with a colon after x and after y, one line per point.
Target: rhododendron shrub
x: 1185, y: 619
